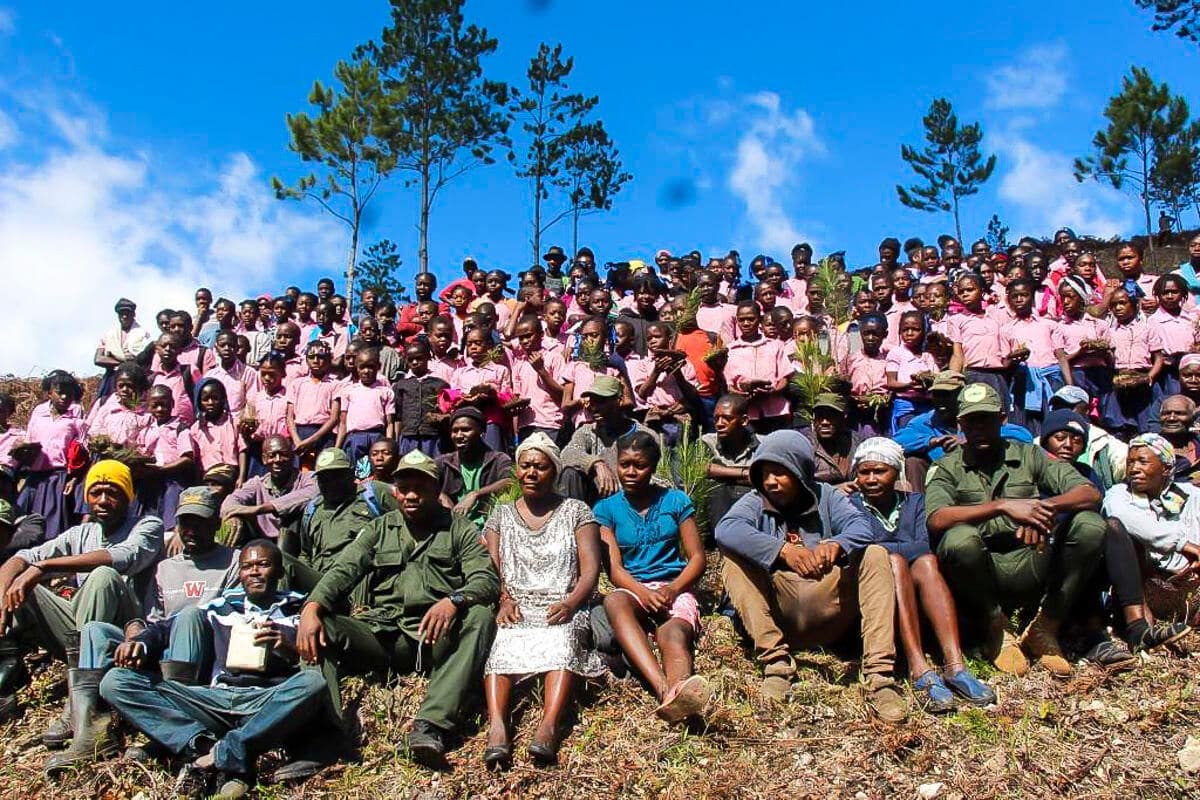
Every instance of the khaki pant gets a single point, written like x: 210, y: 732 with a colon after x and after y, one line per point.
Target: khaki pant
x: 55, y: 622
x: 783, y: 611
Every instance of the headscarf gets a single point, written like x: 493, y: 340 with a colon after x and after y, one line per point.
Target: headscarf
x: 1159, y: 446
x: 444, y: 295
x: 543, y: 444
x: 881, y: 449
x: 1189, y: 360
x: 1077, y: 285
x: 111, y: 472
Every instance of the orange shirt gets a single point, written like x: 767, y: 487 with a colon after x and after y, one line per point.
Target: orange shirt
x: 697, y: 345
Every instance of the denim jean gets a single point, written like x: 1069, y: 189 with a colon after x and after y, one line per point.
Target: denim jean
x: 245, y: 721
x: 190, y: 641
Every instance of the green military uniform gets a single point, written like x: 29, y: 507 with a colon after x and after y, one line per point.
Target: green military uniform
x: 405, y: 574
x: 987, y: 566
x: 326, y: 531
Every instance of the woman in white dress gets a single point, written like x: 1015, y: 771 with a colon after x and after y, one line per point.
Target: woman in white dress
x: 547, y: 551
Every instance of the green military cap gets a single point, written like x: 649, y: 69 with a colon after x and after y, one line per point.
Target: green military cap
x: 198, y: 501
x: 604, y: 386
x: 830, y: 400
x: 948, y: 380
x: 978, y: 398
x: 416, y: 461
x: 331, y: 459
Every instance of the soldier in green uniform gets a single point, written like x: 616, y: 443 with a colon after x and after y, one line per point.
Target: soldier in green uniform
x: 1017, y: 528
x: 428, y: 605
x: 331, y: 520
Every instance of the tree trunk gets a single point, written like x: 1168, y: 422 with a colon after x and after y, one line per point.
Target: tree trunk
x: 351, y: 261
x: 957, y: 227
x: 1146, y: 209
x: 423, y: 225
x: 537, y: 218
x: 574, y: 233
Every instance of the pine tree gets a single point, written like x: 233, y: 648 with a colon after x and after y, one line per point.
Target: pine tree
x: 950, y: 165
x: 378, y: 272
x: 997, y: 234
x: 346, y: 137
x: 1145, y: 123
x: 448, y: 117
x: 1181, y: 16
x: 592, y: 175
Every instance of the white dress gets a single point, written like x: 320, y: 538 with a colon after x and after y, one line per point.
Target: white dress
x: 539, y: 568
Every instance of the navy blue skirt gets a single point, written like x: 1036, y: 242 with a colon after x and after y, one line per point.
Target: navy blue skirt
x: 43, y: 494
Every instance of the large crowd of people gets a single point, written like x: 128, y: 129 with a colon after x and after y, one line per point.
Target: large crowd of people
x: 993, y: 448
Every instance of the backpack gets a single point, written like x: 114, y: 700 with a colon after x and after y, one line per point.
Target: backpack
x: 368, y: 496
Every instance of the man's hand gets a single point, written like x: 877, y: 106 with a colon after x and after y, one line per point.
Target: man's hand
x: 509, y: 613
x: 947, y: 443
x: 1031, y: 513
x: 607, y: 482
x: 559, y: 613
x: 437, y: 620
x: 468, y: 501
x: 310, y: 634
x: 174, y: 545
x: 801, y: 560
x: 19, y: 589
x: 827, y: 553
x: 270, y: 635
x: 130, y: 654
x: 1030, y: 536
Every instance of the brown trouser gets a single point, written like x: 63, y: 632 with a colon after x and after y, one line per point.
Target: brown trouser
x: 782, y: 611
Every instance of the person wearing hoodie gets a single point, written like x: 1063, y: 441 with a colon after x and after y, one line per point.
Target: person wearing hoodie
x: 794, y: 552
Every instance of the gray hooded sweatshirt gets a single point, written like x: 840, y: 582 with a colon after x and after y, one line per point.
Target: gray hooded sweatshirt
x: 755, y: 530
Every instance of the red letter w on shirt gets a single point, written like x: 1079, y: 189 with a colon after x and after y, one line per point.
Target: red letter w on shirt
x: 194, y: 590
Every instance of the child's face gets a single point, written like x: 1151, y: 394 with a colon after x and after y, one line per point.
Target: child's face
x: 864, y: 303
x: 1170, y: 297
x: 441, y: 336
x: 591, y: 335
x: 803, y: 331
x: 1122, y: 307
x: 226, y: 348
x: 339, y: 308
x: 425, y: 312
x: 324, y: 316
x: 1085, y: 267
x: 248, y: 314
x: 938, y: 295
x: 319, y: 361
x: 477, y: 344
x: 386, y: 317
x: 658, y: 338
x: 418, y: 360
x: 920, y: 297
x: 529, y: 337
x: 224, y: 314
x: 126, y: 391
x: 161, y: 405
x: 243, y: 349
x: 912, y: 333
x: 178, y: 327
x: 872, y: 338
x: 556, y: 315
x: 766, y: 295
x: 747, y: 321
x: 988, y: 272
x: 770, y: 328
x: 212, y: 401
x: 774, y: 276
x: 286, y: 337
x: 600, y: 302
x: 368, y: 331
x: 304, y: 308
x: 164, y: 323
x: 1072, y: 303
x: 459, y: 298
x: 383, y: 458
x: 270, y: 376
x: 366, y: 369
x: 708, y: 285
x: 1020, y: 300
x: 969, y: 294
x: 494, y: 285
x: 425, y: 284
x: 168, y: 352
x: 816, y: 298
x: 623, y: 337
x: 901, y: 283
x: 1129, y: 262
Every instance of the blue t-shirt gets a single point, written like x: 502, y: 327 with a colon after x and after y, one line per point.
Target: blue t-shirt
x: 649, y: 544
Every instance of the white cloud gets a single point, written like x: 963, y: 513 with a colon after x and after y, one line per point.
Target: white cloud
x: 83, y: 222
x: 8, y: 22
x: 1043, y: 194
x: 1037, y: 79
x: 8, y: 130
x: 769, y: 151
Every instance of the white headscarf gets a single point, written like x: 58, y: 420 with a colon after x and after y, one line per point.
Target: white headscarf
x: 544, y: 445
x: 880, y: 449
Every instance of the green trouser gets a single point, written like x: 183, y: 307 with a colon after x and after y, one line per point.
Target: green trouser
x: 990, y: 571
x: 55, y: 622
x: 300, y: 577
x: 455, y: 663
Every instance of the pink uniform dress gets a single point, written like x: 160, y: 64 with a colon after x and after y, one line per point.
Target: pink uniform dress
x: 47, y: 477
x: 312, y: 399
x: 271, y: 412
x: 868, y: 374
x: 216, y: 443
x: 795, y: 295
x: 367, y: 406
x: 444, y: 367
x: 121, y: 425
x: 1177, y: 332
x: 174, y: 380
x: 666, y: 391
x: 720, y: 319
x: 1073, y: 332
x: 1134, y: 344
x: 544, y: 411
x: 762, y: 359
x: 905, y: 363
x: 983, y: 343
x: 168, y: 442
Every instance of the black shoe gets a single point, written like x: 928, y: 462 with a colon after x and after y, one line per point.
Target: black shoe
x: 1159, y: 634
x: 191, y: 782
x: 426, y: 744
x: 544, y: 753
x: 308, y: 758
x: 498, y: 757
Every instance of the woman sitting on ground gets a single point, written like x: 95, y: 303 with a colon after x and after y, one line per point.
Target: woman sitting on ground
x: 899, y: 520
x: 547, y: 551
x: 643, y: 527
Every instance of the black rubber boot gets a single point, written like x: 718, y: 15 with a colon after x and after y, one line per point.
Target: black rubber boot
x: 58, y: 732
x: 13, y: 676
x: 92, y: 740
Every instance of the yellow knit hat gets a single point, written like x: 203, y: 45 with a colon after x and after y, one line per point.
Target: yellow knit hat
x: 110, y: 471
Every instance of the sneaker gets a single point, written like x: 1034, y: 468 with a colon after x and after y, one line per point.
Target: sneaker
x: 233, y: 787
x: 886, y: 703
x: 964, y: 684
x: 425, y: 744
x: 933, y: 694
x: 1040, y: 642
x: 1111, y: 654
x: 1159, y: 634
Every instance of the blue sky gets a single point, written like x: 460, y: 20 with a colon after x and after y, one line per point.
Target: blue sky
x: 137, y: 141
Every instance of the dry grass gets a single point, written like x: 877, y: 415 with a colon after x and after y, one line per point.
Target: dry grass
x: 1095, y: 736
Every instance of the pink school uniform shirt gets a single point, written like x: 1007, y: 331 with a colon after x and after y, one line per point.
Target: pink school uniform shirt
x: 983, y: 343
x: 54, y: 434
x: 239, y: 382
x: 120, y: 424
x: 217, y: 442
x: 467, y: 376
x: 720, y: 319
x: 1041, y: 336
x: 543, y: 410
x: 9, y: 439
x: 762, y: 359
x: 1134, y: 344
x: 899, y: 308
x: 173, y: 380
x: 168, y: 441
x: 271, y: 412
x: 868, y: 374
x: 192, y: 355
x: 444, y: 367
x: 367, y: 407
x: 337, y: 339
x: 1176, y: 332
x: 294, y: 368
x: 1074, y: 331
x: 796, y: 295
x: 666, y: 391
x: 312, y: 399
x: 905, y: 363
